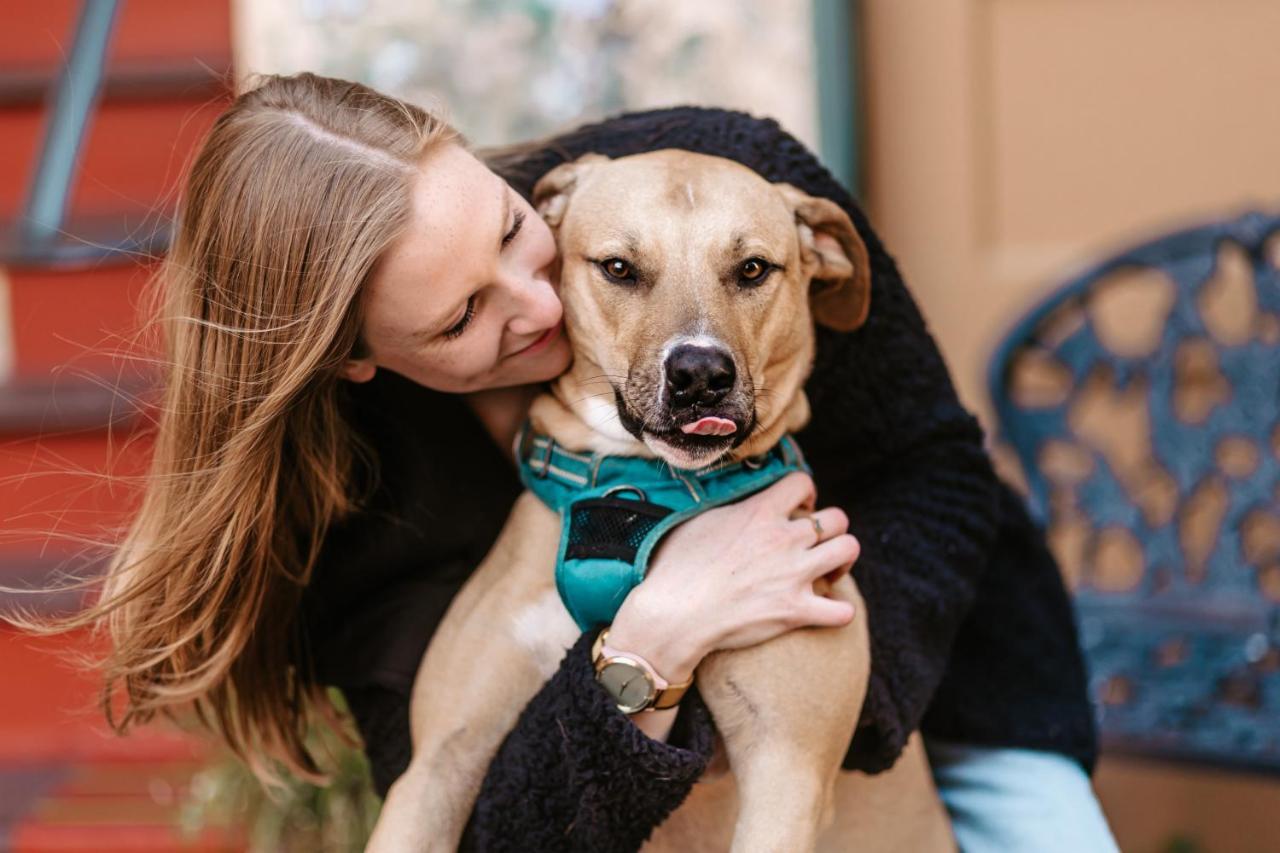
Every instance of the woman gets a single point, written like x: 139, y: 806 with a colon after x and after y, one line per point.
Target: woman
x: 356, y: 313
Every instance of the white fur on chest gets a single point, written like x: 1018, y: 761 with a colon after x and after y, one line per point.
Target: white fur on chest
x: 545, y: 630
x: 609, y: 436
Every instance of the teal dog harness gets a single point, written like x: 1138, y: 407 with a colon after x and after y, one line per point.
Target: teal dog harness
x: 615, y: 509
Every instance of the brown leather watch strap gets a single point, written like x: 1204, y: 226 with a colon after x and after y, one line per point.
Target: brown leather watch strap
x: 671, y: 696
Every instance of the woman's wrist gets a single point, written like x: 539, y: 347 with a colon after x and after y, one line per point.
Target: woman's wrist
x: 673, y: 653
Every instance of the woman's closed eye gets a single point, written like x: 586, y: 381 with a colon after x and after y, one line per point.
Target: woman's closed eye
x: 461, y: 326
x: 516, y: 224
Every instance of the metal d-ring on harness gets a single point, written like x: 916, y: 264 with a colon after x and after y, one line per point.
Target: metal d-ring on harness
x: 614, y: 510
x: 624, y: 489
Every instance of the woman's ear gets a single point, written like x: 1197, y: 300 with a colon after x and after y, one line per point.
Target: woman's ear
x: 835, y: 260
x: 358, y: 369
x: 551, y: 193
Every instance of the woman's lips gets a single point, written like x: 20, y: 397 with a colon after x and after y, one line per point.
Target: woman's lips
x: 543, y: 342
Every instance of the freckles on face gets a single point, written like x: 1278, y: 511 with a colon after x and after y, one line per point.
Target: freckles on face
x: 463, y: 300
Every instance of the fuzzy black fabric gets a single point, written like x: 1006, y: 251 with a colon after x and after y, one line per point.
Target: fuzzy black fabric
x: 969, y: 619
x: 594, y: 782
x: 1004, y: 655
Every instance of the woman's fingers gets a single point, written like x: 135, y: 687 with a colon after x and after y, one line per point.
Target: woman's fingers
x: 832, y: 555
x: 826, y: 612
x: 788, y: 494
x: 837, y: 573
x: 764, y: 555
x: 830, y: 521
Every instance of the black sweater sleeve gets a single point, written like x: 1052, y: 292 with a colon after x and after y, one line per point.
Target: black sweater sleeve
x: 921, y: 498
x: 574, y: 774
x: 888, y: 441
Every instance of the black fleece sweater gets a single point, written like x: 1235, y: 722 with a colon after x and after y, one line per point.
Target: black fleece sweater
x: 972, y: 633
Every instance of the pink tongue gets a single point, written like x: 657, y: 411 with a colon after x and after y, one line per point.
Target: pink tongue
x: 710, y: 426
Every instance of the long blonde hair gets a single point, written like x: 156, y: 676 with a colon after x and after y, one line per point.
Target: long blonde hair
x: 298, y: 189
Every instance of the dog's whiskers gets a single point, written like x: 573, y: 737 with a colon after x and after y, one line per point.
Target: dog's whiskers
x: 592, y: 397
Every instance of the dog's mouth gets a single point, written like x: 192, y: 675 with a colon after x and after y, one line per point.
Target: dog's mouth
x: 688, y: 439
x: 710, y: 425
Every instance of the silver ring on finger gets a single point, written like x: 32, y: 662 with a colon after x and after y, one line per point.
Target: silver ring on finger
x: 817, y: 526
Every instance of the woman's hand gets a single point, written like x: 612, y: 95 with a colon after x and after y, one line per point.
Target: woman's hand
x: 736, y: 576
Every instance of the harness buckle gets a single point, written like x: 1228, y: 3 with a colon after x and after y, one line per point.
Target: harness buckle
x: 755, y: 463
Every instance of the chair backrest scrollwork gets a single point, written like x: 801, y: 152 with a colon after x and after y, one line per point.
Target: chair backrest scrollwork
x: 1143, y: 401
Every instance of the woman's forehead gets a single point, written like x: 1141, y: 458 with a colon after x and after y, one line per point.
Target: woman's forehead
x: 457, y: 204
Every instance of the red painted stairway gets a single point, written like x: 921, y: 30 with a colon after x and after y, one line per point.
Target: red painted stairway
x: 70, y: 364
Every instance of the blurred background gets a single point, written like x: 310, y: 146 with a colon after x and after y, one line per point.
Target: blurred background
x: 1011, y: 154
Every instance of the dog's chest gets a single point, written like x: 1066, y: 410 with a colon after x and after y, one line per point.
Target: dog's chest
x: 543, y: 629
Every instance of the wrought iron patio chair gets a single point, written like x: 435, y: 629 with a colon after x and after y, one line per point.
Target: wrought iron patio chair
x: 1143, y: 402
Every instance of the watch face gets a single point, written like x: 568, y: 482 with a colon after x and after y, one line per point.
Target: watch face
x: 628, y: 684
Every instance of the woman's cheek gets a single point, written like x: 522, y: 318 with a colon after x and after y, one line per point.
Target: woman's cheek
x: 495, y: 345
x: 544, y: 244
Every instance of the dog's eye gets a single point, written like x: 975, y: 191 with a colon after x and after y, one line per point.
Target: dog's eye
x: 617, y: 269
x: 754, y: 270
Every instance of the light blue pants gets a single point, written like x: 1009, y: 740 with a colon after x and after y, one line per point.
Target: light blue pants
x: 1018, y: 801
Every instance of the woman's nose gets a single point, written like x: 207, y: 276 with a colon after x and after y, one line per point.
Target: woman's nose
x: 537, y: 306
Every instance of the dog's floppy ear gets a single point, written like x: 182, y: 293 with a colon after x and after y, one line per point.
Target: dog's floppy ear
x: 551, y: 193
x: 834, y: 257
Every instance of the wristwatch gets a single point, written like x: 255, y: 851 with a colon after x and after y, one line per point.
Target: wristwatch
x: 631, y: 681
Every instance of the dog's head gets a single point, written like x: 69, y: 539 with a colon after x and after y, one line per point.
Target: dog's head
x: 690, y: 286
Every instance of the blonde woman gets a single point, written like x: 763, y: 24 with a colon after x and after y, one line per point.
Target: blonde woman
x: 356, y: 312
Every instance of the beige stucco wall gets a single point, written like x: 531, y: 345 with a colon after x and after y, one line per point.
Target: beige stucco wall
x: 1012, y: 141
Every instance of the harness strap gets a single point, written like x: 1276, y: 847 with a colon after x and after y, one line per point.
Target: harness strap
x: 614, y: 511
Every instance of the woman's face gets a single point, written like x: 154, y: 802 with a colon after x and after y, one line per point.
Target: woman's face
x: 464, y: 300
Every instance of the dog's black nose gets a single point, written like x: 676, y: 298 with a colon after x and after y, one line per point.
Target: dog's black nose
x: 698, y: 376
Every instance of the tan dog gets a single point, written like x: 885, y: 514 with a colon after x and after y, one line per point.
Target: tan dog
x: 673, y: 257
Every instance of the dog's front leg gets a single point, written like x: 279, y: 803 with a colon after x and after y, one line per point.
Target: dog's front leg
x: 499, y: 642
x: 786, y: 710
